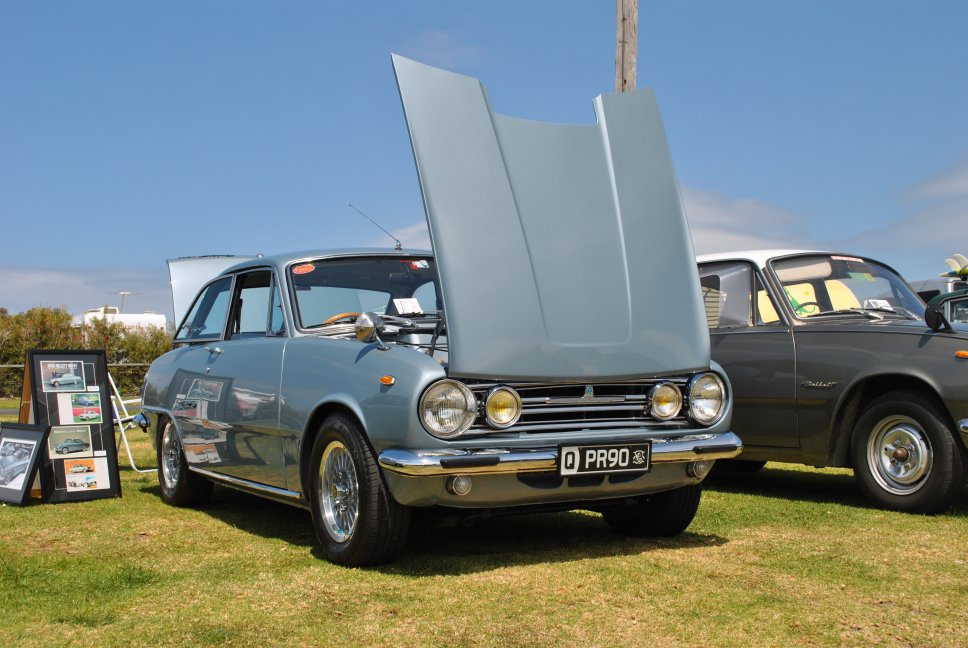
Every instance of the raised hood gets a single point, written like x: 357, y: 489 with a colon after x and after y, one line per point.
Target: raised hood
x: 563, y: 250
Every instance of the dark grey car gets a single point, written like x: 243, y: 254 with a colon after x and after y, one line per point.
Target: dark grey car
x: 832, y: 364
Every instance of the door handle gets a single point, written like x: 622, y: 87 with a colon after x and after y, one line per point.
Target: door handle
x: 214, y: 350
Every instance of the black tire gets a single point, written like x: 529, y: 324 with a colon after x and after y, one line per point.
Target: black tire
x: 665, y: 514
x: 738, y: 466
x: 179, y: 486
x: 357, y: 521
x: 905, y: 455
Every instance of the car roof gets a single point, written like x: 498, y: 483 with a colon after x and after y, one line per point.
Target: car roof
x: 283, y: 260
x: 759, y: 257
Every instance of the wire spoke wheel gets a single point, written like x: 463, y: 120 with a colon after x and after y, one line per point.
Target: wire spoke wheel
x: 339, y: 494
x: 899, y: 455
x: 171, y: 454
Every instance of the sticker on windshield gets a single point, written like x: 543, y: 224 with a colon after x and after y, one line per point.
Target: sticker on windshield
x: 420, y: 264
x: 305, y: 268
x: 843, y: 258
x: 861, y: 276
x: 409, y: 306
x: 879, y: 304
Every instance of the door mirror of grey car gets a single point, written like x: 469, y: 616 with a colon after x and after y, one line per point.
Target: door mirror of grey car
x: 368, y: 328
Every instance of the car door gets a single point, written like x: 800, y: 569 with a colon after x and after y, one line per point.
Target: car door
x: 228, y: 398
x: 753, y: 343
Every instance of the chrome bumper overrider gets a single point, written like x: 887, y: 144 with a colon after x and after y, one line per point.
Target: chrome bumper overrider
x: 493, y: 461
x: 963, y: 426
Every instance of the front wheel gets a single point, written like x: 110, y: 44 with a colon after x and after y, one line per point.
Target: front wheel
x: 356, y: 519
x: 905, y: 455
x: 179, y: 486
x: 665, y: 514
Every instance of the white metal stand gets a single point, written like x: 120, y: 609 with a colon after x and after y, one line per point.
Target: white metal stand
x: 124, y: 421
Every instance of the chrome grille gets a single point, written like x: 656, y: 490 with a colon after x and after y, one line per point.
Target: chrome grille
x: 562, y: 407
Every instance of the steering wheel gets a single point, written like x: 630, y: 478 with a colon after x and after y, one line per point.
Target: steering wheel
x: 338, y: 317
x: 800, y: 307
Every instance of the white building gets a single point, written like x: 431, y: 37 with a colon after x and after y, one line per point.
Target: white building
x: 146, y: 320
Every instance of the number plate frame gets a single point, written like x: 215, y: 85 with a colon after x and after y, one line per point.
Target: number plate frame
x: 588, y: 459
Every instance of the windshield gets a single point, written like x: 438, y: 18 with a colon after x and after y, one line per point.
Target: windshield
x: 821, y: 285
x: 330, y: 291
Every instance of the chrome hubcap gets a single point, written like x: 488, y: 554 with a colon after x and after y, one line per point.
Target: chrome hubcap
x: 171, y: 453
x: 339, y: 498
x: 899, y: 455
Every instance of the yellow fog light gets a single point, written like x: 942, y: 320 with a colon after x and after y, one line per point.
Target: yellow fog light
x: 666, y: 401
x: 502, y: 408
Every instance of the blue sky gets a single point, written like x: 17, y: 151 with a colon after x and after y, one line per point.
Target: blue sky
x: 132, y: 132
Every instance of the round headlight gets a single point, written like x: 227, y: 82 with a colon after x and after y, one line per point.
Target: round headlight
x: 666, y: 401
x: 447, y: 408
x: 503, y: 407
x: 707, y: 398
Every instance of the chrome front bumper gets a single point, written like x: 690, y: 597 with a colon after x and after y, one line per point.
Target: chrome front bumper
x: 496, y: 461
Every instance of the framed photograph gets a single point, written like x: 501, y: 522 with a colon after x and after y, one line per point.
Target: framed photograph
x: 21, y: 447
x: 68, y: 390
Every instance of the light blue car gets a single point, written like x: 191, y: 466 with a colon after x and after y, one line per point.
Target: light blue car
x: 550, y: 353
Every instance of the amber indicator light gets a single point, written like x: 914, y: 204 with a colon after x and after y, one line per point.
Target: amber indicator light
x: 387, y: 380
x: 305, y: 268
x: 961, y: 354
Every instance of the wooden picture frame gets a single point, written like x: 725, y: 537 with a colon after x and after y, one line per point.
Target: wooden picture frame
x: 21, y: 447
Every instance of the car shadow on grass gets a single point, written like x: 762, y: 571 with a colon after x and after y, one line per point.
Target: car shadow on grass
x: 437, y: 547
x: 255, y: 515
x: 801, y: 484
x: 526, y: 539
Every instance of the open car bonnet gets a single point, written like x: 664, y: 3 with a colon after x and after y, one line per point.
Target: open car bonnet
x: 563, y: 250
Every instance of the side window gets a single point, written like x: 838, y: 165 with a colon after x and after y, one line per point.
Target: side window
x: 250, y: 308
x: 206, y: 319
x: 727, y: 294
x: 765, y: 308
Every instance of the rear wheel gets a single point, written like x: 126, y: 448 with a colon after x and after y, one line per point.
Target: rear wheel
x: 905, y: 455
x: 356, y: 519
x: 664, y: 514
x: 179, y: 486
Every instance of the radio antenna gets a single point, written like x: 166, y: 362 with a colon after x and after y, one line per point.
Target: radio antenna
x: 398, y: 246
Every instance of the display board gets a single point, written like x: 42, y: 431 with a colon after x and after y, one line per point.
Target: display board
x: 69, y: 391
x: 20, y: 449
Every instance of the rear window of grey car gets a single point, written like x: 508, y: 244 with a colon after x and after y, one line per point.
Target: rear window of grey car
x: 324, y: 289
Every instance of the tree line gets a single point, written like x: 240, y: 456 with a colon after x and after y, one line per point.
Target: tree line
x: 52, y: 328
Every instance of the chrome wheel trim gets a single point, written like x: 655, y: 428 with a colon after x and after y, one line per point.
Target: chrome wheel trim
x: 899, y: 455
x: 338, y: 492
x: 171, y: 453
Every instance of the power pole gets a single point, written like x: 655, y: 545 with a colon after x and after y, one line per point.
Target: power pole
x: 626, y: 43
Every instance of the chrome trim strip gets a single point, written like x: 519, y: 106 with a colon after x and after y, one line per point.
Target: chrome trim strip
x: 426, y: 463
x: 249, y: 485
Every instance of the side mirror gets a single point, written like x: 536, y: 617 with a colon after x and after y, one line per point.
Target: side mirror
x: 368, y: 328
x: 934, y: 316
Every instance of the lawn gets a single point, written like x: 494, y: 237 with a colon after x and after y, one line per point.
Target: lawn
x: 786, y: 556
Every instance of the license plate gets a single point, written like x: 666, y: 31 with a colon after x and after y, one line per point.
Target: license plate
x: 604, y: 459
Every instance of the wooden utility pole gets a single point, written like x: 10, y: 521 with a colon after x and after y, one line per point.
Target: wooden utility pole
x: 626, y: 43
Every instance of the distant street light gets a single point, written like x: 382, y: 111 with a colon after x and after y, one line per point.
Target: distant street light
x: 123, y: 293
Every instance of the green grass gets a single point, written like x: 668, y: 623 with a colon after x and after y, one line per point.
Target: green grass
x: 788, y: 555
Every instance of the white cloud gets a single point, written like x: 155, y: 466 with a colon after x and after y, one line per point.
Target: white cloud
x: 442, y: 49
x: 76, y: 290
x: 721, y: 223
x: 935, y: 227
